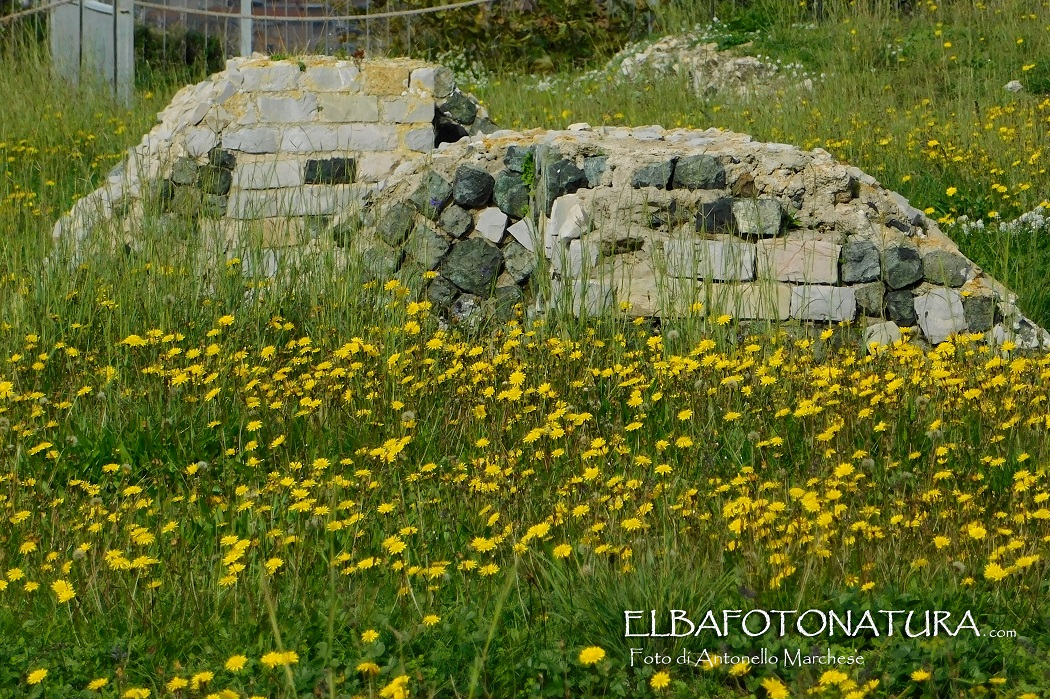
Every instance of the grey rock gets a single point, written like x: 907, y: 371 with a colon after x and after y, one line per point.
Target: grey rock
x: 870, y: 298
x: 699, y: 172
x: 456, y: 221
x: 395, y: 223
x: 468, y: 310
x: 941, y: 313
x: 426, y: 246
x: 519, y: 262
x: 656, y: 175
x: 760, y: 218
x: 460, y: 107
x: 483, y: 125
x: 441, y: 292
x: 184, y: 171
x: 381, y: 262
x: 560, y: 177
x: 432, y: 195
x: 716, y: 217
x: 860, y: 262
x: 473, y: 265
x: 945, y: 267
x: 901, y: 267
x: 411, y: 276
x: 214, y: 206
x: 516, y: 157
x: 213, y: 179
x: 222, y: 158
x: 510, y: 194
x: 900, y: 308
x: 162, y: 192
x: 472, y: 187
x: 188, y: 202
x: 885, y: 333
x: 593, y: 168
x: 979, y: 312
x: 506, y: 298
x: 330, y: 171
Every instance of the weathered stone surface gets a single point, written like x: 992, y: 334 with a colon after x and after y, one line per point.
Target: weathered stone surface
x: 655, y: 175
x: 491, y: 224
x: 287, y: 110
x: 510, y: 194
x: 200, y: 140
x: 473, y: 266
x: 593, y: 169
x: 330, y: 171
x: 940, y: 313
x: 568, y: 220
x: 524, y: 232
x: 222, y: 158
x: 561, y: 177
x: 468, y: 311
x: 758, y: 218
x: 214, y: 205
x: 750, y: 301
x: 270, y: 78
x: 426, y: 246
x: 437, y: 80
x: 407, y: 110
x: 381, y: 262
x: 583, y: 297
x: 505, y: 299
x: 517, y: 156
x: 720, y: 260
x: 945, y: 267
x: 385, y: 79
x: 472, y: 187
x: 900, y: 308
x: 432, y: 195
x: 716, y: 217
x: 574, y: 258
x: 256, y: 139
x: 269, y: 174
x: 184, y: 171
x: 699, y: 172
x: 342, y: 108
x: 395, y: 223
x: 420, y: 140
x: 365, y: 137
x: 885, y: 333
x: 519, y: 262
x: 460, y: 107
x: 870, y: 298
x: 901, y: 266
x: 798, y: 260
x: 817, y: 302
x: 456, y: 221
x: 860, y: 262
x: 344, y: 78
x: 441, y: 292
x: 214, y: 180
x: 979, y: 311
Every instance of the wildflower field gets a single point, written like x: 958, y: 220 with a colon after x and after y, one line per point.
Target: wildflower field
x: 215, y: 486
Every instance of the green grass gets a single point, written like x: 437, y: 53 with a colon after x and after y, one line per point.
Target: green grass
x: 542, y: 477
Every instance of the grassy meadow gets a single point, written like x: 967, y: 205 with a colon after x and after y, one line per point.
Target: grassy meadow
x: 216, y: 486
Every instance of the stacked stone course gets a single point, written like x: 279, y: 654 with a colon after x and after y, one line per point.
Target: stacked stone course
x: 388, y: 161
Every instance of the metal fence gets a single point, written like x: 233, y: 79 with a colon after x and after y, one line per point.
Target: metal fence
x: 97, y: 37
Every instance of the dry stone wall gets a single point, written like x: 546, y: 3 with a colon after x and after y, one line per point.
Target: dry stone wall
x: 389, y: 163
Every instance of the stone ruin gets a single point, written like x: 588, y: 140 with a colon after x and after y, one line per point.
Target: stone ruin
x: 388, y: 164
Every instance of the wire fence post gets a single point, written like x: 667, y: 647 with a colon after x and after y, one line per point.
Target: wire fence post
x: 123, y: 50
x: 246, y: 27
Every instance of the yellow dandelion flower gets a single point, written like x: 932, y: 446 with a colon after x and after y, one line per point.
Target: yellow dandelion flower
x: 660, y: 680
x: 592, y: 655
x: 920, y: 675
x: 36, y: 676
x: 236, y: 663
